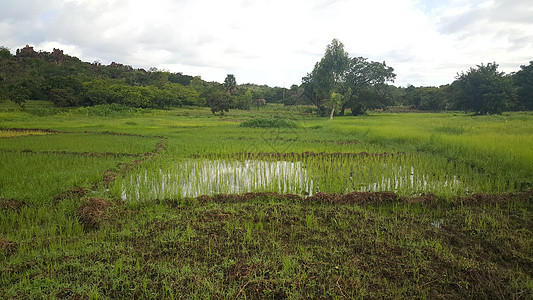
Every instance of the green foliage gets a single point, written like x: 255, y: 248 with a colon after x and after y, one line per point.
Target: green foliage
x: 230, y: 84
x: 426, y: 98
x: 19, y: 94
x: 362, y: 83
x: 328, y: 74
x: 63, y: 98
x: 334, y: 103
x: 69, y: 82
x: 4, y: 52
x: 482, y: 90
x: 523, y: 81
x: 269, y: 123
x: 294, y: 96
x: 220, y: 101
x: 244, y: 101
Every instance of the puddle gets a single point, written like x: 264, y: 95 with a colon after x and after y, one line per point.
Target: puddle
x: 194, y: 178
x: 412, y: 180
x: 437, y: 223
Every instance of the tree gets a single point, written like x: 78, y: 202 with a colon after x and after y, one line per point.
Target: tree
x: 523, y: 81
x: 482, y: 90
x: 361, y: 83
x: 19, y: 94
x: 63, y: 98
x: 244, y: 101
x: 4, y: 52
x: 294, y: 96
x: 220, y: 101
x: 230, y: 84
x: 367, y: 81
x: 425, y: 98
x: 328, y: 75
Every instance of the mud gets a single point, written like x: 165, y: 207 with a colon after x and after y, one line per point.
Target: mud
x: 354, y: 198
x: 92, y: 211
x: 8, y: 247
x: 72, y: 193
x: 365, y: 198
x: 11, y: 204
x: 33, y: 129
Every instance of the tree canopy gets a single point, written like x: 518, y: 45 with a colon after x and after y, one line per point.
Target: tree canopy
x: 230, y: 84
x: 338, y: 82
x: 523, y: 81
x: 483, y: 90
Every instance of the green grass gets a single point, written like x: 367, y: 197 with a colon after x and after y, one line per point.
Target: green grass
x: 37, y: 178
x: 169, y: 246
x: 269, y: 123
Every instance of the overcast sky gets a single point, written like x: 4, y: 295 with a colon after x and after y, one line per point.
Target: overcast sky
x: 277, y: 42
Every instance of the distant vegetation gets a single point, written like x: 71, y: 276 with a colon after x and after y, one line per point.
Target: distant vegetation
x: 67, y: 82
x: 269, y: 123
x: 338, y: 84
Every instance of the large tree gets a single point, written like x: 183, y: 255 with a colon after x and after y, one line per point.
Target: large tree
x: 327, y: 77
x: 367, y: 81
x: 482, y: 90
x: 220, y: 101
x: 338, y: 82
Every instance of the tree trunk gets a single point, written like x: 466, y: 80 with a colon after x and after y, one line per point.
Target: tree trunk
x: 332, y: 111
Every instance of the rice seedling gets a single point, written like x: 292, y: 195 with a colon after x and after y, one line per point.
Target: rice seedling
x: 305, y: 174
x: 196, y: 177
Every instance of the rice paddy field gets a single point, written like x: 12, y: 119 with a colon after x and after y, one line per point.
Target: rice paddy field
x: 113, y: 202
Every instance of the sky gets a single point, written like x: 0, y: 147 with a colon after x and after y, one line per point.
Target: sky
x: 277, y: 42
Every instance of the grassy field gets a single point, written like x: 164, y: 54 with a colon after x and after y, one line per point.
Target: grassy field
x: 112, y: 202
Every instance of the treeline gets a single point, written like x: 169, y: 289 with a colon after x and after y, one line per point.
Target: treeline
x: 67, y: 81
x: 480, y: 90
x: 339, y: 82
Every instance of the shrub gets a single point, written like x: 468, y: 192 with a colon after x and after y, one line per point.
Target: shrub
x: 269, y: 123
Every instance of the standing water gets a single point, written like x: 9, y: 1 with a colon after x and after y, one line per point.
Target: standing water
x: 193, y: 178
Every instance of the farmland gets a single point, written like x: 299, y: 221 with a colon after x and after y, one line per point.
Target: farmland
x: 117, y: 202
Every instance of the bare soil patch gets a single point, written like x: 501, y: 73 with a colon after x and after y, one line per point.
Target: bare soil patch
x: 11, y: 204
x: 8, y: 247
x: 364, y: 198
x: 92, y: 211
x: 75, y: 192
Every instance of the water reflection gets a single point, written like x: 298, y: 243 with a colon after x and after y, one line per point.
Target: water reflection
x: 210, y: 177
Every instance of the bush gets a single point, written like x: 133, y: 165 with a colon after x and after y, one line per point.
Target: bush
x: 269, y: 123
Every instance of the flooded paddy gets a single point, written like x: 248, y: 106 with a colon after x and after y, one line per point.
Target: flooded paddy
x: 196, y: 177
x: 304, y: 175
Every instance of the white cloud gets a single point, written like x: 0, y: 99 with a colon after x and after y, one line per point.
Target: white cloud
x: 277, y: 42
